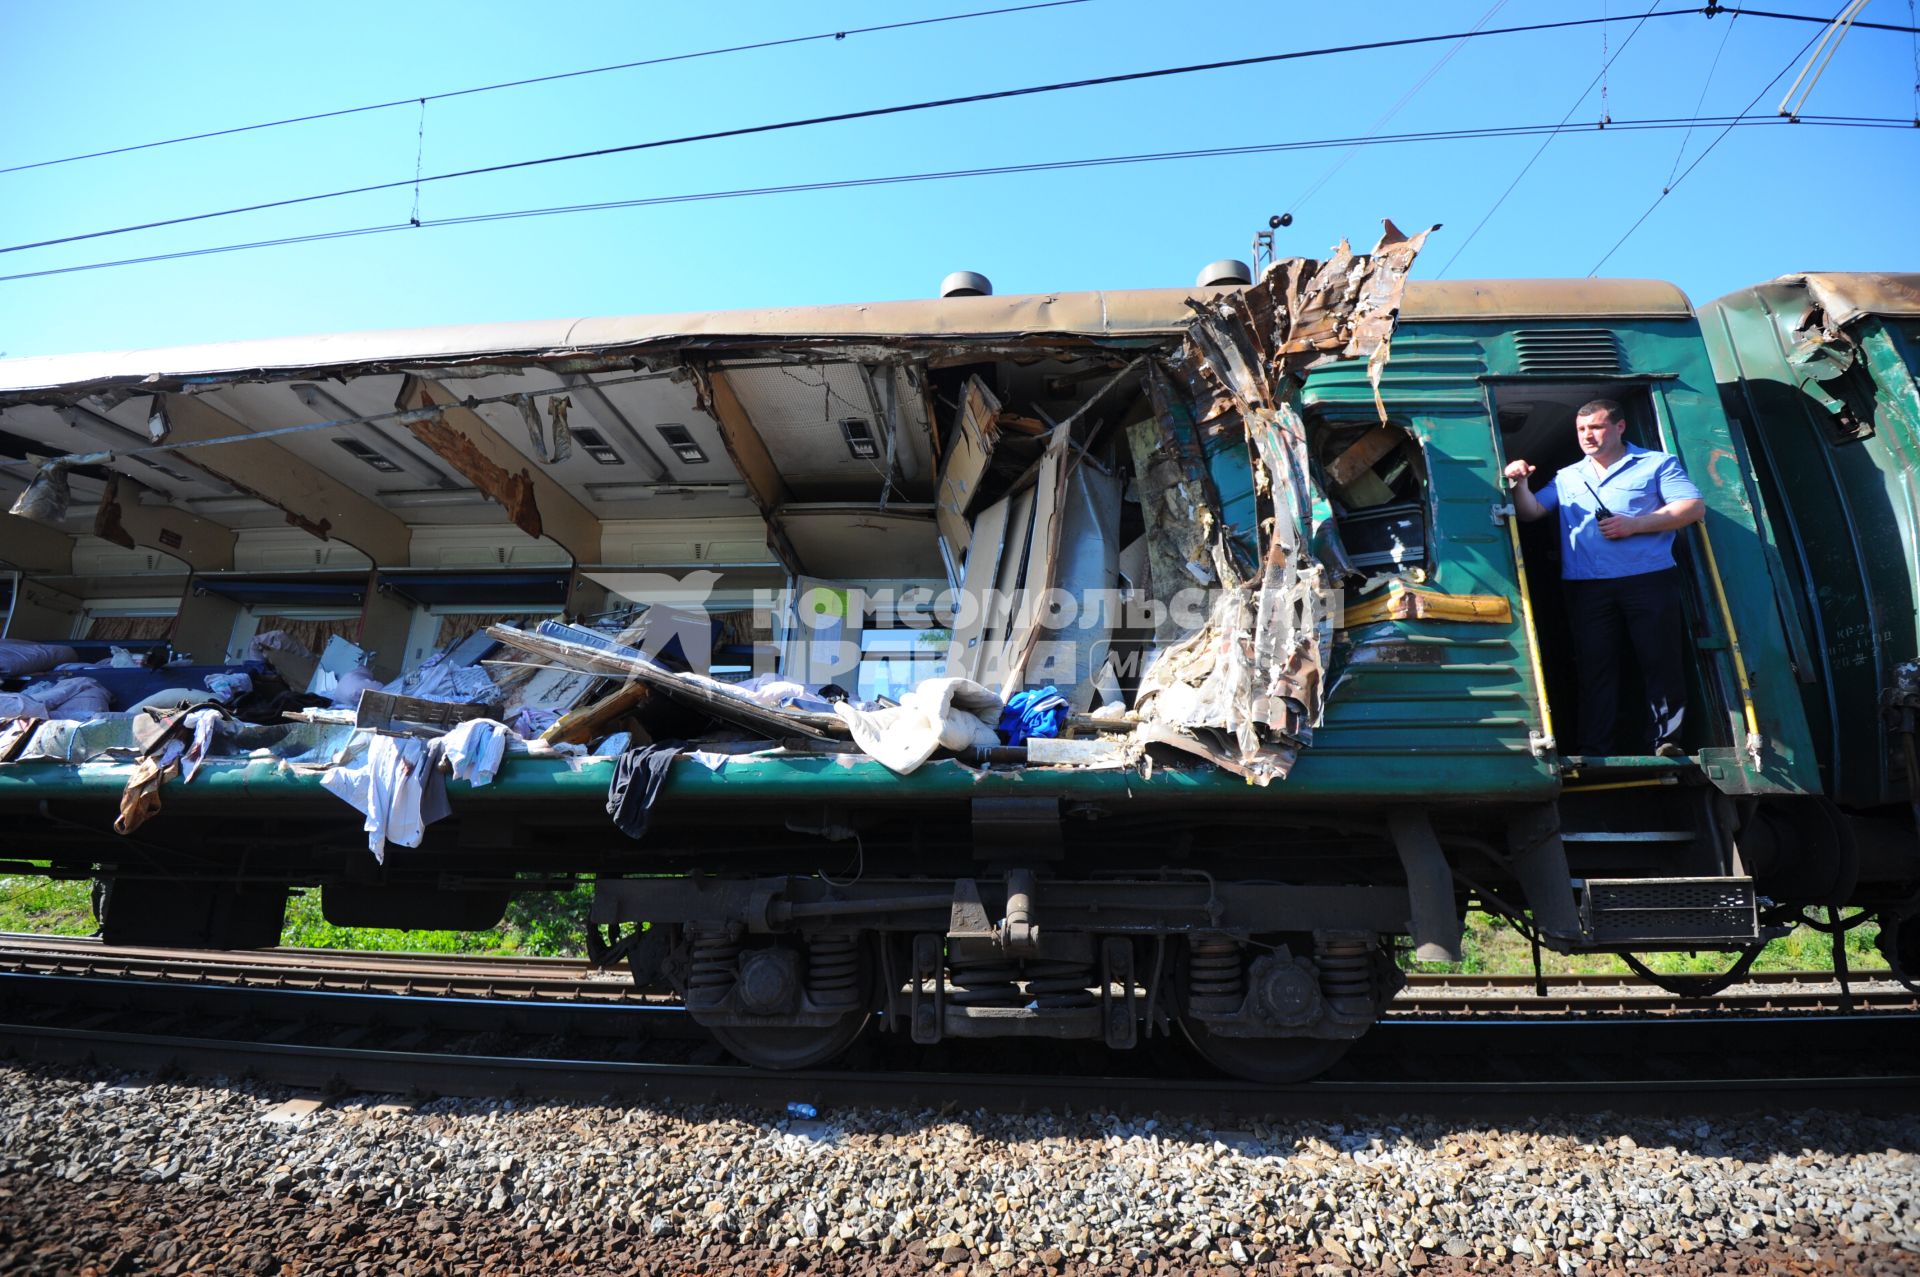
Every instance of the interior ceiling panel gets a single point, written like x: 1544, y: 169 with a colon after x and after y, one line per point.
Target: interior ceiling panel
x: 849, y: 541
x: 797, y: 410
x: 270, y: 405
x: 126, y: 428
x: 649, y: 405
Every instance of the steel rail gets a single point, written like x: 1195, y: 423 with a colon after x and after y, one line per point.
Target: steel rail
x: 13, y: 944
x: 337, y: 1069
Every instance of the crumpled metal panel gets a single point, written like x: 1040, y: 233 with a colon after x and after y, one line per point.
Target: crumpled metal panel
x: 1247, y: 688
x: 1846, y: 296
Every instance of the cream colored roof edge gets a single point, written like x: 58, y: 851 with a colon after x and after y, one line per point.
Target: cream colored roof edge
x: 1137, y: 313
x: 1134, y: 313
x: 1471, y: 299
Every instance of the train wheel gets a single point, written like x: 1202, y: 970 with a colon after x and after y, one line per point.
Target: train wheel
x: 788, y: 1047
x: 1267, y: 1060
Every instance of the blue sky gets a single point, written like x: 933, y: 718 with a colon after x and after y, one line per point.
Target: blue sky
x: 87, y: 74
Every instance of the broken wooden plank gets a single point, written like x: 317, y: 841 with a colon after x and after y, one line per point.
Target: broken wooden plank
x: 412, y: 716
x: 577, y: 726
x: 1364, y: 454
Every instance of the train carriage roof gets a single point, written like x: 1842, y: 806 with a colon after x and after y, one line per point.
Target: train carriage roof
x: 1113, y: 315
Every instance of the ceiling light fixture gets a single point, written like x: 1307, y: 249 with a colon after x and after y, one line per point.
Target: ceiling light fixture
x: 229, y: 505
x: 681, y: 440
x: 647, y: 491
x: 595, y: 445
x: 861, y: 445
x: 422, y: 498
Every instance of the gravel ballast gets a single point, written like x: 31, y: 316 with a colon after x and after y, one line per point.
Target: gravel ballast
x: 134, y: 1176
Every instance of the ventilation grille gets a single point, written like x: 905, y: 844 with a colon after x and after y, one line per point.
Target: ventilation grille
x: 1570, y: 351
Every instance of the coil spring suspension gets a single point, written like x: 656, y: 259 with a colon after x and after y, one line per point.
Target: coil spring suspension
x: 1052, y: 983
x: 713, y: 963
x: 833, y: 970
x: 983, y: 981
x: 1346, y: 973
x: 1216, y: 980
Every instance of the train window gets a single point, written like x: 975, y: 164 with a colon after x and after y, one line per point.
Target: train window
x: 1377, y: 477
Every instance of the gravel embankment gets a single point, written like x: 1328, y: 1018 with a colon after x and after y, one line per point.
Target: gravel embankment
x: 111, y: 1177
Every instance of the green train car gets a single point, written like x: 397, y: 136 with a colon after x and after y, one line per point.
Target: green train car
x: 1316, y: 681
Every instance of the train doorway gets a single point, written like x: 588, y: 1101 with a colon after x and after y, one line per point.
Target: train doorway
x: 1535, y: 422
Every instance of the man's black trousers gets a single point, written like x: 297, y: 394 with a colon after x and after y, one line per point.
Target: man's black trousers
x: 1609, y: 617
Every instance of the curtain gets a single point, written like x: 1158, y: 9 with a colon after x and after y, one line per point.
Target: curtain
x: 114, y: 629
x: 312, y: 634
x: 459, y: 625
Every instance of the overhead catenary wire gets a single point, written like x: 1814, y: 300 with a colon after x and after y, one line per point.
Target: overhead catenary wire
x: 1674, y: 185
x: 840, y: 117
x: 1917, y: 58
x: 839, y: 35
x: 1327, y: 174
x: 1706, y: 84
x: 527, y: 81
x: 1544, y: 143
x: 1619, y: 126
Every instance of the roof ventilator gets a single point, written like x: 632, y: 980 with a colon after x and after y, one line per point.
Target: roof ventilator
x: 1224, y: 273
x: 966, y: 283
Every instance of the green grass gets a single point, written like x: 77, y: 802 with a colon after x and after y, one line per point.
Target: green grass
x: 46, y: 907
x: 539, y: 924
x: 1492, y: 946
x: 553, y: 924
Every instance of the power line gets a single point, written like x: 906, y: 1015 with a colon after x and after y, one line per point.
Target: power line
x: 1546, y: 142
x: 1702, y: 100
x: 1334, y: 168
x: 1808, y: 17
x: 841, y: 118
x: 1619, y: 126
x: 1720, y: 137
x: 537, y: 79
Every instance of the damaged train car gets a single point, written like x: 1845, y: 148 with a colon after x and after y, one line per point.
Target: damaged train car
x: 1100, y: 665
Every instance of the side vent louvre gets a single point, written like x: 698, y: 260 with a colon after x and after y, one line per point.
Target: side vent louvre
x: 1573, y: 351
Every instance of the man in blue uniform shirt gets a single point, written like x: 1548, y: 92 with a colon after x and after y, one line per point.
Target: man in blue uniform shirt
x: 1619, y: 509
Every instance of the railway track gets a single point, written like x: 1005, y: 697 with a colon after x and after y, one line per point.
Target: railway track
x: 553, y: 1028
x: 573, y: 980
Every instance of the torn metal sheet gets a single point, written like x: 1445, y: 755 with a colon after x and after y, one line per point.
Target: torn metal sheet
x: 46, y: 497
x: 1247, y: 688
x: 560, y: 443
x: 1072, y: 649
x: 971, y: 636
x: 1178, y: 504
x: 106, y: 518
x: 974, y: 438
